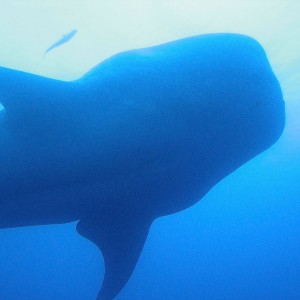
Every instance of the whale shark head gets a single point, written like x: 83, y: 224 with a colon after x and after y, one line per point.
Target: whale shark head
x: 144, y: 134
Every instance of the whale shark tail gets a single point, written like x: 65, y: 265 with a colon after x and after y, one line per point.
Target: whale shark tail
x: 33, y: 102
x: 21, y: 91
x: 121, y: 239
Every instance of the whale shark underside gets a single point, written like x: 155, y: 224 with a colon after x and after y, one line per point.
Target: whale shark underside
x: 144, y: 134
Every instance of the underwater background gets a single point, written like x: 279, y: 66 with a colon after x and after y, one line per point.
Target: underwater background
x: 242, y: 240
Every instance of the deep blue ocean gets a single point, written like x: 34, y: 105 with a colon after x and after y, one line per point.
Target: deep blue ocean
x: 242, y: 240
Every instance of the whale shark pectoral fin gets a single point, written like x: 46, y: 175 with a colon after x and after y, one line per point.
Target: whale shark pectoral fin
x: 121, y: 240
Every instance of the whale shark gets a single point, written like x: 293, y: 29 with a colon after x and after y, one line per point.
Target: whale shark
x: 64, y: 39
x: 144, y: 134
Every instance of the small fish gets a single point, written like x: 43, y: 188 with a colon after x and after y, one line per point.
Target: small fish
x: 65, y: 38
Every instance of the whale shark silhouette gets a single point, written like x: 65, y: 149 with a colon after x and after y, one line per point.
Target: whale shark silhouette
x: 144, y: 134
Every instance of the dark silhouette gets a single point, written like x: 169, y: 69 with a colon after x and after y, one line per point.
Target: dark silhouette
x: 144, y: 134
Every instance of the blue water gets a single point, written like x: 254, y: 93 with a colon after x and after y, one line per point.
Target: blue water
x: 242, y: 240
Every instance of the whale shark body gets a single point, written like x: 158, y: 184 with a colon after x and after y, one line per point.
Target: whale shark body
x: 144, y: 134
